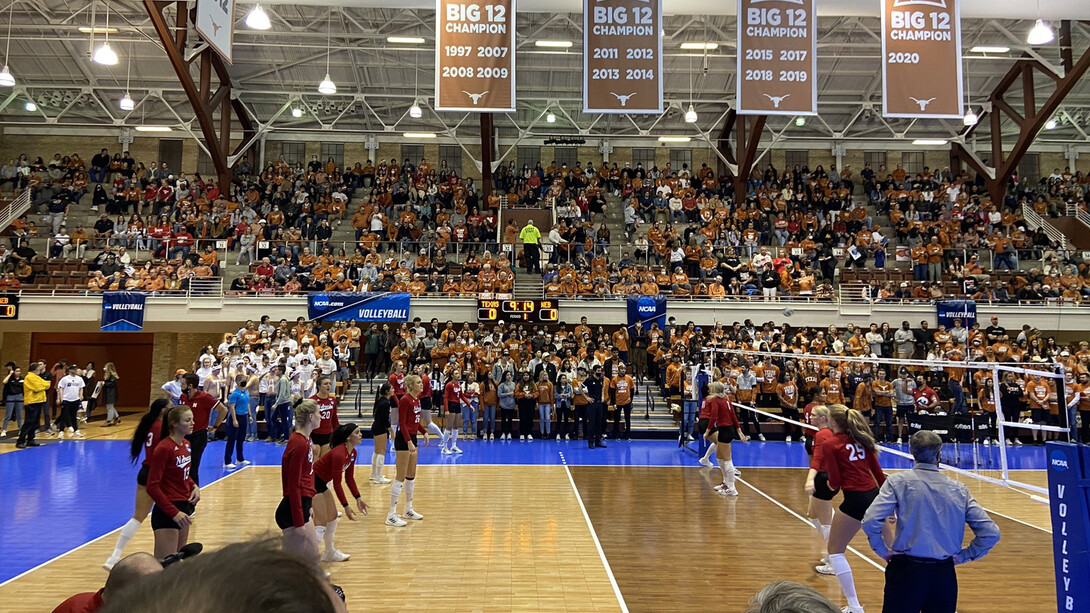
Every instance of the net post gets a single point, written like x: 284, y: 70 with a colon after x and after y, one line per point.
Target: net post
x: 1000, y: 418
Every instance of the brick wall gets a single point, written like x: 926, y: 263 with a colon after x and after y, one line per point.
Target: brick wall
x: 174, y: 350
x: 15, y: 347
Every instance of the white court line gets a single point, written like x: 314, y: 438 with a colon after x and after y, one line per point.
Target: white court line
x: 806, y: 521
x: 597, y: 543
x: 95, y: 540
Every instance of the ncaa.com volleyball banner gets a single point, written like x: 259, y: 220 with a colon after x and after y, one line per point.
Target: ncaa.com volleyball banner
x: 122, y: 311
x: 647, y: 309
x: 361, y: 306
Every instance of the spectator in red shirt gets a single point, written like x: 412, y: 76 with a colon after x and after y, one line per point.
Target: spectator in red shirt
x: 129, y: 571
x: 181, y: 243
x: 925, y: 398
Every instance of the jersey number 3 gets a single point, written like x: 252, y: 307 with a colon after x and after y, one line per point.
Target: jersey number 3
x: 856, y: 452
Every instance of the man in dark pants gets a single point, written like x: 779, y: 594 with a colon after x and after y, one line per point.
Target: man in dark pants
x: 595, y: 408
x: 931, y: 512
x: 34, y: 399
x: 202, y: 404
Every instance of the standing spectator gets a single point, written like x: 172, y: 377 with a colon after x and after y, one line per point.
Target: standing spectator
x: 531, y: 237
x: 34, y: 389
x: 13, y: 398
x: 931, y: 512
x: 593, y: 388
x: 239, y: 402
x: 70, y: 391
x: 109, y: 394
x: 905, y: 340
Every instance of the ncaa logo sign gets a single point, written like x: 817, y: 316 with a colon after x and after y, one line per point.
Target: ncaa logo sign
x: 320, y: 302
x: 647, y: 306
x: 1058, y: 461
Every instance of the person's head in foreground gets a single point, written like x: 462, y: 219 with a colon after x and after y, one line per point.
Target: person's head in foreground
x: 790, y: 597
x: 251, y: 577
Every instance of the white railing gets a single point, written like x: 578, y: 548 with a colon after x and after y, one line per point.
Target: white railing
x: 1035, y: 221
x: 205, y: 292
x: 14, y: 209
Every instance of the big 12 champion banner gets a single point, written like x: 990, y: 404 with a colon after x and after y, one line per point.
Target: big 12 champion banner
x: 622, y: 56
x: 475, y: 56
x: 777, y: 57
x: 921, y: 59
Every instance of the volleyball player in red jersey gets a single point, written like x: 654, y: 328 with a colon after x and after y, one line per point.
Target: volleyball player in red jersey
x: 341, y: 460
x: 408, y: 425
x: 710, y: 435
x: 327, y: 409
x: 171, y: 485
x: 820, y: 507
x: 297, y: 480
x: 145, y: 437
x: 850, y: 456
x: 397, y: 379
x: 454, y: 397
x: 427, y: 425
x: 727, y: 429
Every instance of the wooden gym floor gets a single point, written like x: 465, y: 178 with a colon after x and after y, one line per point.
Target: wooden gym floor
x: 513, y: 535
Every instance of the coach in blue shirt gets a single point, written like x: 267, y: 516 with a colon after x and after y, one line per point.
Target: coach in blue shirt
x: 931, y: 512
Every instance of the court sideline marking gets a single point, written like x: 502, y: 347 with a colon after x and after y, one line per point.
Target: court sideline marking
x: 99, y: 538
x: 594, y: 535
x: 805, y: 521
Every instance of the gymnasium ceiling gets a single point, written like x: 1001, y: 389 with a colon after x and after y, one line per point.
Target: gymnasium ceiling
x: 377, y: 81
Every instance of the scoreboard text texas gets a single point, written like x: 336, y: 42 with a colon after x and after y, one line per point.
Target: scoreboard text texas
x: 540, y: 311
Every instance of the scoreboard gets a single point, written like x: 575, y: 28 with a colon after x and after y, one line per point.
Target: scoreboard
x: 9, y: 306
x: 534, y: 311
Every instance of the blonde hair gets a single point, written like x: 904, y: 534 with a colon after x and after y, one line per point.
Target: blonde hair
x: 715, y: 388
x: 413, y: 381
x: 820, y: 411
x: 304, y: 409
x: 852, y: 423
x: 109, y: 369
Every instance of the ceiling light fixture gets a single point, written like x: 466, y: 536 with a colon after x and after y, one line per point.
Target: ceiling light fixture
x: 932, y: 142
x: 105, y: 55
x: 556, y: 44
x: 800, y: 121
x: 971, y: 118
x: 690, y: 115
x: 97, y: 30
x: 415, y: 111
x: 258, y: 19
x: 675, y: 139
x: 699, y: 46
x: 419, y: 135
x: 30, y: 106
x: 126, y: 102
x: 550, y: 118
x: 1050, y: 124
x: 327, y: 86
x: 297, y: 112
x: 986, y: 49
x: 6, y: 80
x: 1041, y: 34
x: 405, y: 40
x: 153, y: 128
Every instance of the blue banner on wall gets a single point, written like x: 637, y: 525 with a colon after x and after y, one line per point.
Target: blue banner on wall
x: 648, y: 309
x: 1069, y: 499
x: 949, y: 310
x: 343, y: 306
x: 122, y: 311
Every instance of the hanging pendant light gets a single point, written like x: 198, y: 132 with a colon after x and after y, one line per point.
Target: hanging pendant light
x: 1041, y: 34
x: 258, y: 19
x: 126, y: 103
x: 105, y: 55
x: 415, y: 111
x: 6, y: 79
x: 327, y: 86
x: 690, y: 115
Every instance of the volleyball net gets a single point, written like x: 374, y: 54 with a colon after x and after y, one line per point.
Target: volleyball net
x: 981, y: 410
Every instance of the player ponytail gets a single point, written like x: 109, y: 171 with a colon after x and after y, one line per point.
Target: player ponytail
x: 304, y: 408
x: 341, y: 434
x: 854, y: 424
x: 140, y: 435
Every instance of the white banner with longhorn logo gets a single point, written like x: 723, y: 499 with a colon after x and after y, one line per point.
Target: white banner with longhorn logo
x: 216, y: 25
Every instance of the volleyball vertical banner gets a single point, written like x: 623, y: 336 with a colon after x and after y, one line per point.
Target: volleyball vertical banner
x: 216, y: 25
x: 777, y: 57
x: 921, y: 59
x: 622, y: 56
x: 1069, y: 501
x: 122, y: 311
x: 475, y: 56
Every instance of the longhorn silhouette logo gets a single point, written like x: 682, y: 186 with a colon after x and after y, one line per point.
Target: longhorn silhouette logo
x: 923, y: 103
x: 216, y: 28
x: 776, y: 100
x: 475, y: 97
x: 623, y: 99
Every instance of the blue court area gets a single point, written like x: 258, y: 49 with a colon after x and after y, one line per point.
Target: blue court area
x: 65, y: 494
